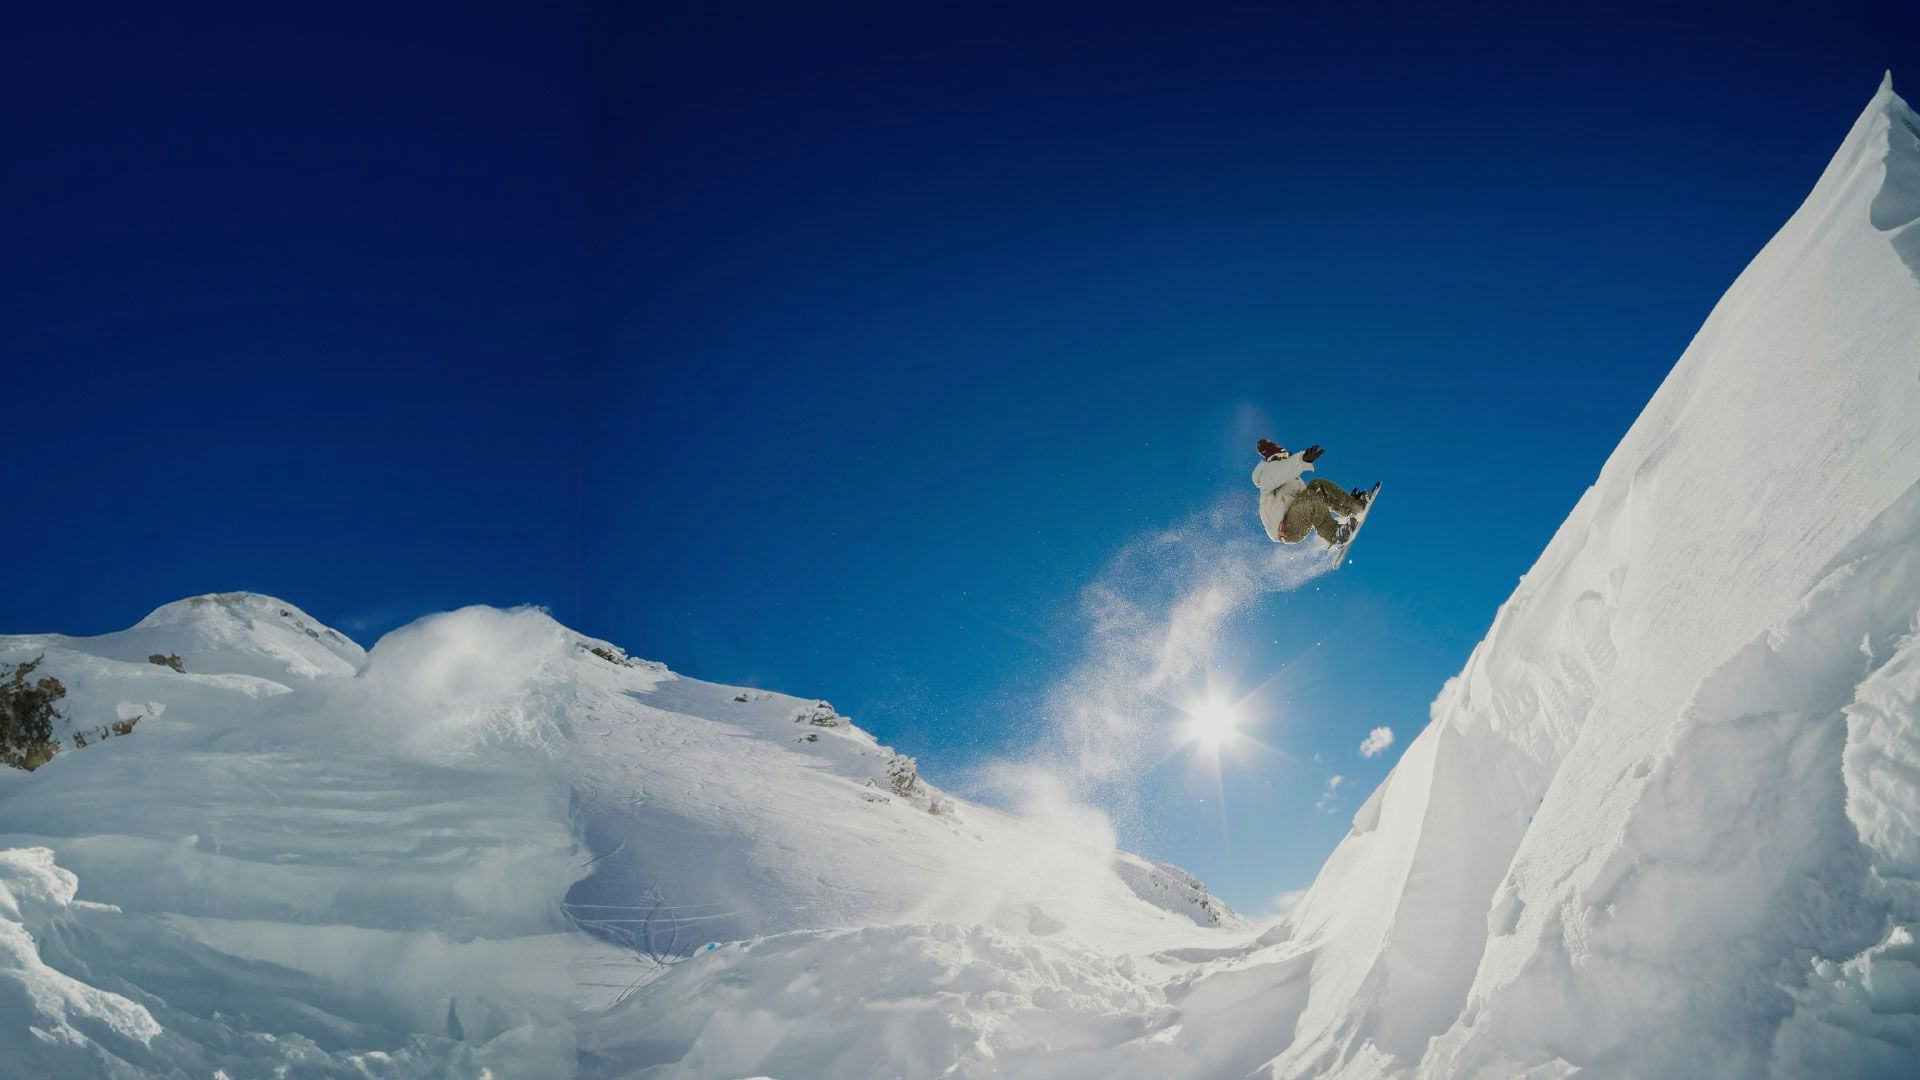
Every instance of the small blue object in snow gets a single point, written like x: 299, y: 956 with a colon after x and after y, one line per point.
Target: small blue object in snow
x: 711, y: 945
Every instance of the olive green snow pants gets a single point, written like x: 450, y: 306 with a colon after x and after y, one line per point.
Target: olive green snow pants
x: 1314, y: 509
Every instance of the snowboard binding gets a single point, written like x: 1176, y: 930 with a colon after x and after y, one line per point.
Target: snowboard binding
x: 1350, y: 528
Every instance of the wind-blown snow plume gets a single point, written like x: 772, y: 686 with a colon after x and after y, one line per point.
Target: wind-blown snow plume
x: 451, y: 681
x: 1156, y: 616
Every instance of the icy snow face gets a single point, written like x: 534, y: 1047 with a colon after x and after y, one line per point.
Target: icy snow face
x: 1882, y: 764
x: 1896, y: 206
x: 1738, y: 863
x: 1630, y: 838
x: 71, y: 1025
x: 1859, y: 1014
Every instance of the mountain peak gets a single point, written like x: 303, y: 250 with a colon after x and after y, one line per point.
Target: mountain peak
x: 233, y: 633
x: 238, y: 604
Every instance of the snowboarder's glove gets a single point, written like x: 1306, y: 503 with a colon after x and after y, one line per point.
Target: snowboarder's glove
x: 1312, y: 453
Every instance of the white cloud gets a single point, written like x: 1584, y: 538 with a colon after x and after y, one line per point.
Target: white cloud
x: 1377, y: 740
x: 1285, y: 902
x: 1325, y: 805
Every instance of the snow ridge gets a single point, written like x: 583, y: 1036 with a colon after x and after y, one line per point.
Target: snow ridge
x: 1623, y: 842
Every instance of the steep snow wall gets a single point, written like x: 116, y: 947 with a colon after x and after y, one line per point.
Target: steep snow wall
x: 1623, y: 840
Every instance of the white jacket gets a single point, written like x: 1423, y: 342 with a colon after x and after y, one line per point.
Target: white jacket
x: 1279, y: 482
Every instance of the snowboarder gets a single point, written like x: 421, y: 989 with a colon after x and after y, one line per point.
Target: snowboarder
x: 1290, y: 507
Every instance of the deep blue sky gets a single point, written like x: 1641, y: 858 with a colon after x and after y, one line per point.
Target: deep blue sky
x: 836, y: 352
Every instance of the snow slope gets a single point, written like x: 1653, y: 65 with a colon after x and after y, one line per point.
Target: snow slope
x: 457, y: 852
x: 1663, y: 822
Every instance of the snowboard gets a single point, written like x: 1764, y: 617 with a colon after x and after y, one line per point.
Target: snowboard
x: 1359, y: 519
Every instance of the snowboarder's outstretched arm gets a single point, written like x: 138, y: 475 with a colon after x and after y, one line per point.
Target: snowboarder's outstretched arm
x: 1270, y: 475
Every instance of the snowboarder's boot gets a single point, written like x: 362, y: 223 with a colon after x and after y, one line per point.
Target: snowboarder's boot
x: 1351, y: 526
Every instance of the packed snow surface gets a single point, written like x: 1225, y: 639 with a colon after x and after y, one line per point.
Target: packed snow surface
x: 1665, y: 823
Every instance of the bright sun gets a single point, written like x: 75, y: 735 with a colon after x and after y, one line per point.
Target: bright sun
x: 1212, y: 722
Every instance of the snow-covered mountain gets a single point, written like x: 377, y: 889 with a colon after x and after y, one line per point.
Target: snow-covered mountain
x: 225, y: 633
x: 245, y: 845
x: 1665, y: 823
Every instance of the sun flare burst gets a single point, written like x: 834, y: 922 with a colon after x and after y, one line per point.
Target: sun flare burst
x: 1211, y: 722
